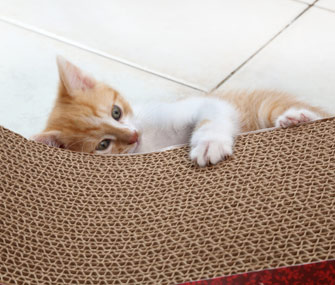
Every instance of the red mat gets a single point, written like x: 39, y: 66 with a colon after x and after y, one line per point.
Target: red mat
x: 312, y: 273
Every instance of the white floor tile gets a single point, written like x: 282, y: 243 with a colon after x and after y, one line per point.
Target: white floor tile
x: 300, y: 61
x: 29, y: 78
x: 328, y: 4
x: 306, y: 1
x: 194, y: 41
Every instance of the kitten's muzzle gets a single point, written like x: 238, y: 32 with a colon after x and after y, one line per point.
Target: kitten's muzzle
x: 134, y: 138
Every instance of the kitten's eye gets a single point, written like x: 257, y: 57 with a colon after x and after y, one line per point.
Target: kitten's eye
x: 103, y: 145
x: 116, y: 113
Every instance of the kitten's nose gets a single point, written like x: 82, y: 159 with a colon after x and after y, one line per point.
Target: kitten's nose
x: 134, y: 138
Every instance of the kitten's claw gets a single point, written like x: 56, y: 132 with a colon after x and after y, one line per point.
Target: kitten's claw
x: 294, y: 117
x: 211, y: 152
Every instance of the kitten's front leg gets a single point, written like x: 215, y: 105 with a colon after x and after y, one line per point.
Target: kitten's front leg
x: 213, y: 136
x: 211, y: 143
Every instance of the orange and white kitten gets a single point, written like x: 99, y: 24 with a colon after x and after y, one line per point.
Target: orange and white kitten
x: 90, y: 116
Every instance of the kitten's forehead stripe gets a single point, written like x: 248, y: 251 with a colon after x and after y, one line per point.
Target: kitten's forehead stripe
x: 81, y: 129
x: 90, y: 106
x: 96, y: 129
x: 115, y: 97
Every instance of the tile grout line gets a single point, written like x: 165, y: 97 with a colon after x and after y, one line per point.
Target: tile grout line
x: 302, y: 1
x: 319, y: 7
x: 263, y: 46
x: 64, y: 40
x: 325, y: 9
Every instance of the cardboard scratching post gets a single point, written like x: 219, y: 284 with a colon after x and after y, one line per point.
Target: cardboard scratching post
x: 74, y: 218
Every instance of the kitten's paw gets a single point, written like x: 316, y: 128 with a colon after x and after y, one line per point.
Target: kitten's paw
x: 294, y: 117
x: 211, y: 152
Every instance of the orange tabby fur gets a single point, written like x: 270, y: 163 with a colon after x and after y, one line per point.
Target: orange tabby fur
x: 259, y: 109
x: 73, y: 122
x: 70, y: 116
x: 81, y: 116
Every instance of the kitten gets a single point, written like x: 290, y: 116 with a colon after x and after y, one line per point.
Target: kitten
x: 90, y: 116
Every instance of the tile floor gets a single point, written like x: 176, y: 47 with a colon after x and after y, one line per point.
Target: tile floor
x: 164, y: 49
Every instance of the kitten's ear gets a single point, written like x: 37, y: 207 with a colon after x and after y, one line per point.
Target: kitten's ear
x: 51, y: 138
x: 72, y: 77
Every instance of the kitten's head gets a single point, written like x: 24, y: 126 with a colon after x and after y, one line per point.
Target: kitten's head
x: 88, y: 116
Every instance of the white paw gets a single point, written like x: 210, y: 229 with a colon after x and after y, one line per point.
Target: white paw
x: 211, y: 152
x: 294, y: 117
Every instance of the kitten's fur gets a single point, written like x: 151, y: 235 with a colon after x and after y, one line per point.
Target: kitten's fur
x: 81, y: 119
